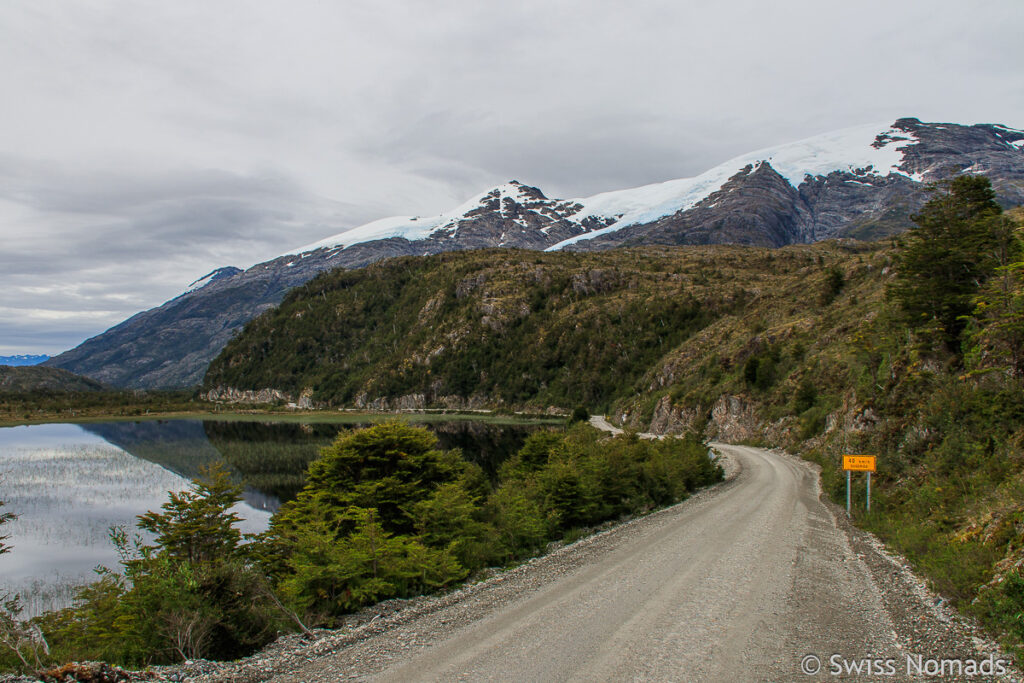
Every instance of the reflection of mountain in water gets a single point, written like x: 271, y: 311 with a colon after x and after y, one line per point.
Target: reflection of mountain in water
x: 271, y: 458
x: 180, y: 446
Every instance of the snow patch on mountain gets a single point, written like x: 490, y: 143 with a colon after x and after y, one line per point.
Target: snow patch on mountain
x: 1013, y: 133
x: 218, y: 274
x: 875, y: 150
x: 405, y: 227
x: 417, y: 227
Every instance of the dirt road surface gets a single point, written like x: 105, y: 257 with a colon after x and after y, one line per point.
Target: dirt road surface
x: 743, y: 582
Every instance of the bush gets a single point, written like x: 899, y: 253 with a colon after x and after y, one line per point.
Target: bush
x: 1003, y: 606
x: 384, y: 514
x: 579, y: 414
x: 194, y: 594
x: 583, y: 478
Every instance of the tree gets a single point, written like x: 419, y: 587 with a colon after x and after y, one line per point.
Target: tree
x: 995, y: 335
x: 388, y: 467
x: 384, y: 513
x: 450, y: 518
x: 331, y: 576
x: 579, y: 414
x: 520, y: 522
x: 193, y: 593
x: 947, y: 256
x: 834, y: 283
x: 23, y: 639
x: 197, y: 525
x: 5, y: 517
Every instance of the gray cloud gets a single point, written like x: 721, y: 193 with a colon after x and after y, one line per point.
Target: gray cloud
x: 145, y: 144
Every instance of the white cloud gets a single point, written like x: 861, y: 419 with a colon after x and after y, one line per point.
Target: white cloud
x: 145, y: 144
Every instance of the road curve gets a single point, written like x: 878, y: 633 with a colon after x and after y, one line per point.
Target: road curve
x: 735, y: 584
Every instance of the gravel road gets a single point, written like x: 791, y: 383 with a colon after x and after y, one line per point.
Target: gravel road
x: 738, y: 583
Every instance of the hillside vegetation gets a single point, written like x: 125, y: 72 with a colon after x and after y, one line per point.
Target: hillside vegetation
x: 505, y: 327
x: 35, y: 378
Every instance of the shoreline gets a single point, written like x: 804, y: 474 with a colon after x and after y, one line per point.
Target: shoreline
x: 339, y: 416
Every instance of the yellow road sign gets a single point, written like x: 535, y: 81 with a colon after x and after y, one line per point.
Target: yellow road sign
x: 859, y: 463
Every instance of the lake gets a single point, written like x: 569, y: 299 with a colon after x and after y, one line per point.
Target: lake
x: 69, y: 483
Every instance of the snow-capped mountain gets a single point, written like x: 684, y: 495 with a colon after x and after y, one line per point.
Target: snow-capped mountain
x: 866, y: 160
x: 22, y: 360
x: 218, y: 274
x: 862, y: 182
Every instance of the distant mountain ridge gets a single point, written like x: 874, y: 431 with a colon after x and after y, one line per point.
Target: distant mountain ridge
x: 23, y: 359
x: 862, y: 182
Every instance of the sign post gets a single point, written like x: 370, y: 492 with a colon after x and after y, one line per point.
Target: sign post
x: 847, y: 493
x: 858, y: 463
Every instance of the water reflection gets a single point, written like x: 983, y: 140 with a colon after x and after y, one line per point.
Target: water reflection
x: 181, y: 446
x: 70, y: 483
x: 68, y: 487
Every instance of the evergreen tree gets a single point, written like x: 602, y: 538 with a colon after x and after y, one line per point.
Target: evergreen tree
x: 996, y: 333
x: 329, y: 576
x: 17, y: 637
x: 384, y: 513
x: 521, y: 524
x: 191, y: 594
x: 947, y: 257
x: 197, y: 525
x: 388, y: 467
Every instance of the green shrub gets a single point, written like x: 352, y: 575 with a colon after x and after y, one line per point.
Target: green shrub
x: 194, y: 594
x: 1002, y: 606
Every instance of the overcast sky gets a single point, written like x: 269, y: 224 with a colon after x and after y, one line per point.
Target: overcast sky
x: 143, y: 144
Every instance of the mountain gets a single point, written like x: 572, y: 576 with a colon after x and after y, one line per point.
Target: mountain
x: 507, y: 327
x: 862, y: 182
x: 470, y: 330
x: 23, y: 359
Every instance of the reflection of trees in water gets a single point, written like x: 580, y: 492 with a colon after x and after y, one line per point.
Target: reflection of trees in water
x: 181, y: 446
x: 485, y: 444
x: 271, y: 457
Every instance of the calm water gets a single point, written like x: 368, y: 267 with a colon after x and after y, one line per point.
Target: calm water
x: 70, y: 483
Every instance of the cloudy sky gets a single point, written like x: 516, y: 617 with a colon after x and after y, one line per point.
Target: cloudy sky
x: 143, y: 144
